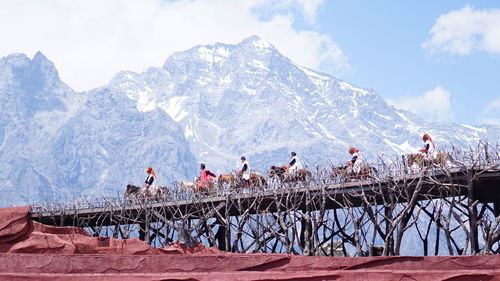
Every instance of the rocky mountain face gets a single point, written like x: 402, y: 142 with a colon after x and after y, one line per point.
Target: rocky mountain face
x: 58, y: 144
x: 248, y: 99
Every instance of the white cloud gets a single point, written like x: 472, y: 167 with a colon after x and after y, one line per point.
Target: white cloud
x: 434, y: 105
x: 491, y: 112
x: 91, y: 40
x: 308, y: 8
x: 463, y: 31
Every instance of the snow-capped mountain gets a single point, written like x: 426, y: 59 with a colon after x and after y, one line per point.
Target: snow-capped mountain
x: 248, y: 99
x: 208, y: 104
x: 55, y: 143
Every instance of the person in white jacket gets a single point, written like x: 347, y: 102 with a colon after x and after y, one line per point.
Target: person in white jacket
x: 356, y: 161
x: 245, y: 169
x: 294, y: 164
x: 429, y: 149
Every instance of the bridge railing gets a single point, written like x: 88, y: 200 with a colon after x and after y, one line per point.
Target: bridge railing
x: 484, y: 156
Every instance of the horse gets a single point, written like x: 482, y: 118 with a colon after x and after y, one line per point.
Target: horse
x: 441, y: 159
x: 346, y: 173
x: 277, y: 171
x: 187, y: 186
x: 415, y: 159
x: 341, y: 172
x: 193, y: 187
x: 366, y: 172
x: 154, y: 191
x: 226, y: 179
x: 255, y: 180
x: 300, y: 175
x: 131, y: 190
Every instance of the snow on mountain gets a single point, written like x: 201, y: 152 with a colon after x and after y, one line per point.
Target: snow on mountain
x: 210, y: 104
x: 55, y: 143
x: 248, y: 99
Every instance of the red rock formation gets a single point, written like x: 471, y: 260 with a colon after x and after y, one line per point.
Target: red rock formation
x: 19, y: 234
x: 31, y: 251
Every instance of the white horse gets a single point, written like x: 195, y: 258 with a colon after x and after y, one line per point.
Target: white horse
x: 187, y: 186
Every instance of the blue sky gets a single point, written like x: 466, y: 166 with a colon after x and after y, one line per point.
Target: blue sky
x: 438, y: 59
x: 383, y: 41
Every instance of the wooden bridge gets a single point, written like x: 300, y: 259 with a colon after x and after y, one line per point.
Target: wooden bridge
x: 445, y: 205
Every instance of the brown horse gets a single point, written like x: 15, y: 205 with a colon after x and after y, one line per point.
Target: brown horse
x: 441, y: 159
x: 154, y: 192
x: 341, y: 172
x: 257, y: 180
x: 300, y: 175
x: 226, y: 179
x: 344, y: 172
x: 412, y: 159
x: 366, y: 172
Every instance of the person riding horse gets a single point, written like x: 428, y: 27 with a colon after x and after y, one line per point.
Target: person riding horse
x: 205, y: 178
x: 245, y: 172
x: 149, y: 180
x: 294, y: 166
x: 354, y: 165
x: 429, y: 149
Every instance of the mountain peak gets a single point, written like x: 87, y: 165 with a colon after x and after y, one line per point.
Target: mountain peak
x: 39, y: 56
x: 42, y: 63
x: 257, y: 42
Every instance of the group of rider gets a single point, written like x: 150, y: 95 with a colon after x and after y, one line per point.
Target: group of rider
x: 354, y: 165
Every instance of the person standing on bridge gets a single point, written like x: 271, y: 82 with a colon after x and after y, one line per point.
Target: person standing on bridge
x: 245, y: 172
x: 294, y: 165
x: 205, y: 178
x: 355, y: 163
x: 429, y: 149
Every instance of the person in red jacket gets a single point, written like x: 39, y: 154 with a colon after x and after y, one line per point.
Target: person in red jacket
x: 205, y: 178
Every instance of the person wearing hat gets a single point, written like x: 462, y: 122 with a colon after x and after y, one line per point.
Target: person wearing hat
x: 245, y: 171
x: 355, y: 163
x: 294, y: 164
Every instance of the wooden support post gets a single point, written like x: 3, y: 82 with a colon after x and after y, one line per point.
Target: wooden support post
x: 496, y: 206
x: 142, y: 232
x: 305, y: 233
x: 220, y: 236
x: 473, y: 227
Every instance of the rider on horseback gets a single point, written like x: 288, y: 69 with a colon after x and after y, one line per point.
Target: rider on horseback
x: 205, y: 178
x: 294, y: 165
x: 149, y: 180
x: 245, y: 171
x: 429, y: 149
x: 355, y: 163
